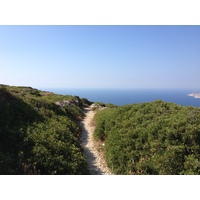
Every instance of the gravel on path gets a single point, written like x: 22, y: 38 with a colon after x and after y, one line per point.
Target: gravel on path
x: 95, y: 160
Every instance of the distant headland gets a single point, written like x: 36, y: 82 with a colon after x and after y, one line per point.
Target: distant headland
x: 195, y: 95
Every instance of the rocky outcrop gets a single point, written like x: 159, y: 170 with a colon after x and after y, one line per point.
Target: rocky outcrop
x: 76, y: 101
x: 98, y: 106
x: 63, y: 103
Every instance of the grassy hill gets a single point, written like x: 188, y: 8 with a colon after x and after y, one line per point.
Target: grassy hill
x: 150, y: 138
x: 39, y: 133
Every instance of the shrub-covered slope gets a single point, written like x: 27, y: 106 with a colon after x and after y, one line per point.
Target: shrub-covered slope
x: 38, y: 133
x: 151, y: 138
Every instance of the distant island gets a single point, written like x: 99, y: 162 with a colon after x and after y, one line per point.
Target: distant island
x: 195, y: 95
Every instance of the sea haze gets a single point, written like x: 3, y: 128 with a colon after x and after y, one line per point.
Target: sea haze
x: 130, y: 96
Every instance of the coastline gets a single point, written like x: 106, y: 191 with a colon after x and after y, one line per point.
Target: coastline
x: 122, y: 97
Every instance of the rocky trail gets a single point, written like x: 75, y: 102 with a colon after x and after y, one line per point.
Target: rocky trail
x: 95, y: 160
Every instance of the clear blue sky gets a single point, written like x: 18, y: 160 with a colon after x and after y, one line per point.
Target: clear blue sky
x: 100, y: 56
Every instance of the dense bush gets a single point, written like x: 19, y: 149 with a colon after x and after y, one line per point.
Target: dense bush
x: 56, y: 149
x: 36, y: 135
x: 150, y: 138
x: 86, y: 102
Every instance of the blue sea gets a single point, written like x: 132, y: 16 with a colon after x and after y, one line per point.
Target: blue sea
x: 130, y: 96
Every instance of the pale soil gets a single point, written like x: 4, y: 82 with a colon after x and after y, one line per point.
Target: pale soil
x: 95, y: 159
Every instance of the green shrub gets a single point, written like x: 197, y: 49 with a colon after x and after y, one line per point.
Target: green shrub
x: 150, y: 138
x: 36, y: 135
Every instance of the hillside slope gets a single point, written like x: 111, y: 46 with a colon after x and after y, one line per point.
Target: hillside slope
x: 39, y: 133
x: 150, y: 138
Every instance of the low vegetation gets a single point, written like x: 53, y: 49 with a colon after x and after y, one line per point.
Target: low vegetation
x: 39, y: 133
x: 150, y: 138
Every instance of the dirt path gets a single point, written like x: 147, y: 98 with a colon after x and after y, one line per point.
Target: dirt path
x: 95, y: 160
